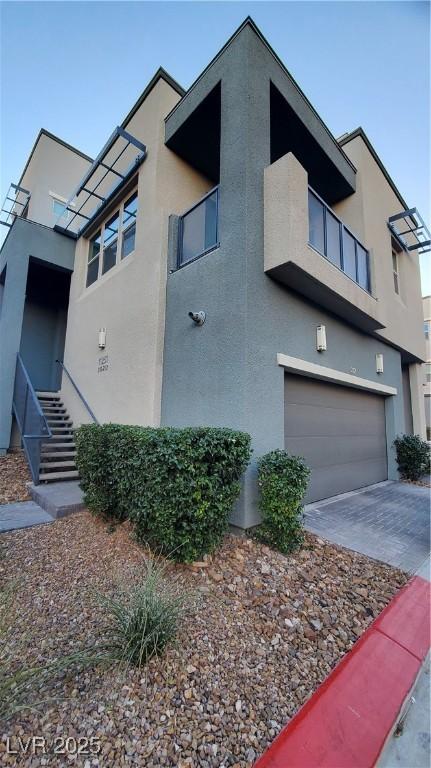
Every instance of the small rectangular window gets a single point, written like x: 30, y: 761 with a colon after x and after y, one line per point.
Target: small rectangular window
x: 199, y: 229
x: 129, y: 225
x: 428, y: 372
x: 110, y: 240
x: 93, y: 259
x: 395, y: 271
x: 316, y: 223
x: 427, y: 329
x: 59, y: 209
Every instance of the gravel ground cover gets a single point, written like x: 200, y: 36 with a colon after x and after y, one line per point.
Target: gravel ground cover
x: 14, y: 474
x: 268, y: 630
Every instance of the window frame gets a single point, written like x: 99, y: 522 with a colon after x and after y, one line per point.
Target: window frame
x: 118, y: 211
x: 180, y: 262
x: 342, y: 229
x: 396, y: 271
x: 427, y: 329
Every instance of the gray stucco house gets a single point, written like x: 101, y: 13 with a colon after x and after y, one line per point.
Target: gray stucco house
x: 235, y: 201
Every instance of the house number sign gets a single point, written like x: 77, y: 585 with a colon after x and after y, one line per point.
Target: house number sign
x: 103, y: 364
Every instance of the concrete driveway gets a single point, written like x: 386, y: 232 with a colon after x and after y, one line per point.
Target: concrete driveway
x: 388, y: 521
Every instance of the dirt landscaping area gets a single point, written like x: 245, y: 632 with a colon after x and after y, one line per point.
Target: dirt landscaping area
x: 268, y: 630
x: 14, y: 474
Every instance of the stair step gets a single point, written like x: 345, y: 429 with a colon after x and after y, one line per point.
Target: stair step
x: 63, y: 428
x: 48, y: 395
x: 56, y: 417
x: 48, y: 409
x: 48, y: 465
x: 49, y: 476
x: 54, y: 441
x: 58, y: 454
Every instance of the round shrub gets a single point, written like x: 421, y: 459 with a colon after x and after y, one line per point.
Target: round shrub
x: 283, y: 481
x: 413, y: 456
x: 176, y: 485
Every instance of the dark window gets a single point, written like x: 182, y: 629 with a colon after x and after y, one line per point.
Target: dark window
x: 110, y: 238
x: 349, y: 258
x: 427, y: 328
x: 363, y: 267
x: 129, y: 225
x: 316, y: 223
x: 93, y: 259
x: 199, y: 229
x: 333, y: 239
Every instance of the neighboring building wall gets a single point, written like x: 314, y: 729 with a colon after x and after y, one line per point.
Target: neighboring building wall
x: 129, y: 300
x: 226, y: 372
x: 52, y: 167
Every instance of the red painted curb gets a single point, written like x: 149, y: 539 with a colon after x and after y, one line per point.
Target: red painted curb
x: 347, y: 720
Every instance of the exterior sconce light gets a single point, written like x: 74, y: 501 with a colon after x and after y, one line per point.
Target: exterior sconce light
x: 379, y: 362
x: 102, y: 338
x: 198, y: 317
x: 321, y: 338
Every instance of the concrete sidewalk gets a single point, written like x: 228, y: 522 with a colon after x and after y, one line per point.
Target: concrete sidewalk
x: 22, y: 514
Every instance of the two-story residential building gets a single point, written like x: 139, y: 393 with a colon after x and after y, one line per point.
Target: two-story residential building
x: 230, y: 263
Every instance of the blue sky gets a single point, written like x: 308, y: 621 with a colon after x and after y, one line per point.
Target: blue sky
x: 76, y: 68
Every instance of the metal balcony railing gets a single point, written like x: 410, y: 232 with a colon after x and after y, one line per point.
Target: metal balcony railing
x: 198, y: 229
x: 32, y: 424
x: 330, y: 236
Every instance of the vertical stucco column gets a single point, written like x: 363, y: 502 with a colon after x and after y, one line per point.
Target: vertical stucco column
x: 11, y: 318
x: 417, y: 396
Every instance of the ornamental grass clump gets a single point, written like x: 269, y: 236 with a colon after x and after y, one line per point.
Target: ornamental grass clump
x: 145, y: 618
x: 283, y: 481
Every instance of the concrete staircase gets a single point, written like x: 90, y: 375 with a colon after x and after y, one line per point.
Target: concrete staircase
x: 57, y: 461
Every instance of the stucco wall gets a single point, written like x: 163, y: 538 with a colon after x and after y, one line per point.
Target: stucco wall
x: 52, y: 168
x: 24, y: 239
x: 226, y: 372
x: 129, y: 300
x: 366, y: 213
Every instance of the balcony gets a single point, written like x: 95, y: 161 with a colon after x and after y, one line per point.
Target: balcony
x: 309, y: 249
x: 332, y: 239
x: 198, y: 229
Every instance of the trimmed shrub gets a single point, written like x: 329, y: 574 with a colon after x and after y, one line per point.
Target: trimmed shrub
x: 283, y: 481
x: 177, y: 485
x: 144, y: 619
x: 413, y: 456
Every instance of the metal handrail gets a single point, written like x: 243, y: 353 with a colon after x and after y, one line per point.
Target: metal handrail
x: 30, y: 418
x: 78, y: 391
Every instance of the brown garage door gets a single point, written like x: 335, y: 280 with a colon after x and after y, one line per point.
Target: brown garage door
x: 339, y: 431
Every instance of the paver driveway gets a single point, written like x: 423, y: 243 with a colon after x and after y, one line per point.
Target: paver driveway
x: 388, y: 521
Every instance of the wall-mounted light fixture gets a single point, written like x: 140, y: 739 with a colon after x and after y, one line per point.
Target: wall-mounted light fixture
x: 102, y: 338
x: 379, y: 362
x: 198, y: 317
x: 321, y: 338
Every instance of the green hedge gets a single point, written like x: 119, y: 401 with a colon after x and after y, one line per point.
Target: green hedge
x: 176, y: 485
x: 413, y: 456
x: 283, y: 481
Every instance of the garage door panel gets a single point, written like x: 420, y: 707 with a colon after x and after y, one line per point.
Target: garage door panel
x: 304, y: 391
x: 344, y: 478
x: 339, y: 431
x: 315, y: 420
x: 343, y: 450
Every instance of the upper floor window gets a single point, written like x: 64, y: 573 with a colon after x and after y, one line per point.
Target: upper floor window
x: 59, y: 208
x: 329, y: 236
x: 427, y: 329
x: 199, y: 229
x: 428, y: 372
x: 114, y: 241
